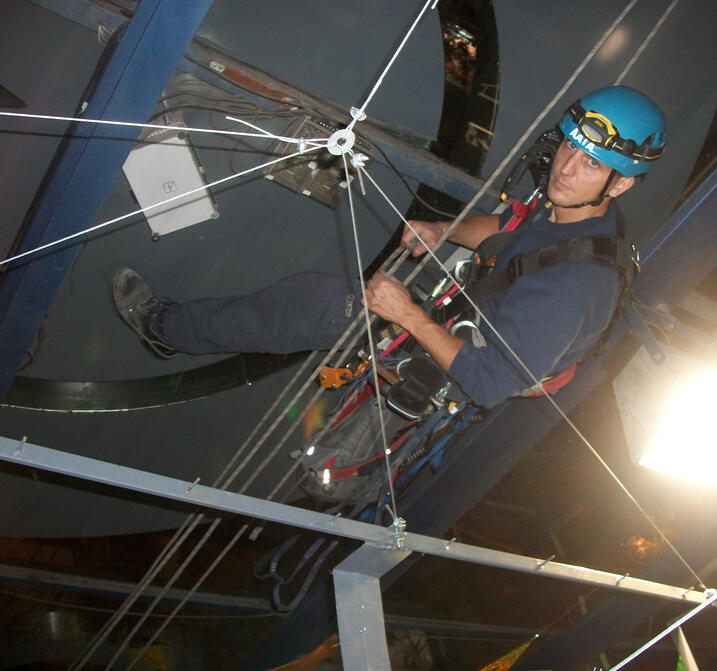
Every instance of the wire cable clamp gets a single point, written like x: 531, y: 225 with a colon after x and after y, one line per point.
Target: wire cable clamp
x: 398, y: 529
x: 357, y: 114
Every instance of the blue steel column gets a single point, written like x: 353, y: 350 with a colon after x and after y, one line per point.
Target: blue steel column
x: 87, y: 165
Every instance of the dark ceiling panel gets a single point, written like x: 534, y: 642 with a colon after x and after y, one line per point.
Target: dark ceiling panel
x: 264, y: 232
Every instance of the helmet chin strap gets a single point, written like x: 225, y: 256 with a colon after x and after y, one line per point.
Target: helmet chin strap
x: 600, y: 198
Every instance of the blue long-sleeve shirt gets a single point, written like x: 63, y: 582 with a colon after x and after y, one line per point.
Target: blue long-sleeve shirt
x: 550, y: 318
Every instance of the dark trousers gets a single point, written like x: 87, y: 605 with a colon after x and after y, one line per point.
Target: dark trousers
x: 305, y: 311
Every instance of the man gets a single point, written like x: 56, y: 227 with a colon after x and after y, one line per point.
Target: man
x: 550, y: 318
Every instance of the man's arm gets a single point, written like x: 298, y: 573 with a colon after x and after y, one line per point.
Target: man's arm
x: 389, y: 299
x: 539, y: 319
x: 469, y: 233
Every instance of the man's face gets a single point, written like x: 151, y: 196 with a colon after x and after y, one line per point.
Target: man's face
x: 575, y: 177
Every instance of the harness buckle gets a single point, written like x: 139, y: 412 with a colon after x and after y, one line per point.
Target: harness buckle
x: 604, y: 246
x: 465, y: 272
x: 635, y: 257
x: 514, y: 269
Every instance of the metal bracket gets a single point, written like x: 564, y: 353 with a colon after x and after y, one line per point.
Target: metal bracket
x: 359, y: 607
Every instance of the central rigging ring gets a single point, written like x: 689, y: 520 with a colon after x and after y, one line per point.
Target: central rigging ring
x: 341, y: 142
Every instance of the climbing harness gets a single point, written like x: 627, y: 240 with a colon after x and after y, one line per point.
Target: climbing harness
x: 343, y: 463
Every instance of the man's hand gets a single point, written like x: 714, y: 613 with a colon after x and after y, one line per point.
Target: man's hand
x: 429, y: 232
x: 389, y: 299
x: 469, y: 233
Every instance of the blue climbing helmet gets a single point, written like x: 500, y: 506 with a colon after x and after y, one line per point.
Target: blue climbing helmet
x: 619, y: 127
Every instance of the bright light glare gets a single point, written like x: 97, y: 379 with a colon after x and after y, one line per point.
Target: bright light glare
x: 685, y: 443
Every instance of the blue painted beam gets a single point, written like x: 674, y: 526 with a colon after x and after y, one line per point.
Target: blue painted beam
x: 87, y: 163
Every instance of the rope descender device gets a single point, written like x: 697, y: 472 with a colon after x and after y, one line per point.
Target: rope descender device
x: 332, y: 378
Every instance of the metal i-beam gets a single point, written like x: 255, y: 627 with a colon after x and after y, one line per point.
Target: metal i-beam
x: 67, y: 582
x: 27, y: 454
x: 87, y: 164
x: 359, y: 607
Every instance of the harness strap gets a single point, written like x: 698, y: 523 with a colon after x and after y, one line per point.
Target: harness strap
x: 481, y: 283
x: 495, y: 244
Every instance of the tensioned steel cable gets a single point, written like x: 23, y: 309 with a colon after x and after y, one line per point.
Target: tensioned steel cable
x: 200, y: 581
x: 552, y: 401
x: 182, y: 533
x: 264, y: 463
x: 194, y: 520
x: 192, y: 553
x: 646, y: 42
x: 256, y: 471
x: 462, y: 215
x: 530, y: 129
x: 369, y: 334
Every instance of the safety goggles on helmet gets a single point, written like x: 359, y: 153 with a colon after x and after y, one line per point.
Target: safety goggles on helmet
x: 602, y: 132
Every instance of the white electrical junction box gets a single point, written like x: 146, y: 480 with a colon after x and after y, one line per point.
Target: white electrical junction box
x: 164, y: 165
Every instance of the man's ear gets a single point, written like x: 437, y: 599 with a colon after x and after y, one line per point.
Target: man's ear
x: 620, y: 185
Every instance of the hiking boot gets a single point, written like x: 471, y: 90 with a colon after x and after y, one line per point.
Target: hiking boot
x: 142, y: 311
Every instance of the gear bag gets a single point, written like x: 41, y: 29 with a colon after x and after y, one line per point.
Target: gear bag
x: 345, y: 461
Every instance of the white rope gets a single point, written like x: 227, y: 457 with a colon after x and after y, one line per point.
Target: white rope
x: 646, y: 41
x: 142, y: 210
x: 120, y: 648
x: 302, y: 142
x: 213, y: 131
x: 711, y: 599
x: 359, y: 114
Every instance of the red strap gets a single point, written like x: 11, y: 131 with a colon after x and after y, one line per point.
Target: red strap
x: 350, y: 471
x: 520, y: 212
x: 557, y: 381
x: 350, y: 407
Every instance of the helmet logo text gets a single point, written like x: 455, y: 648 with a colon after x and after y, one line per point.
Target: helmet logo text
x: 580, y: 139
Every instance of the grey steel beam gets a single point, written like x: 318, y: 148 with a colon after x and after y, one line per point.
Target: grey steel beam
x: 359, y: 607
x: 27, y: 454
